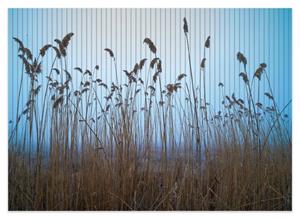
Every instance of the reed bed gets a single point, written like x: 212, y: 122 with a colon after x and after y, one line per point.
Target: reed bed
x: 71, y: 148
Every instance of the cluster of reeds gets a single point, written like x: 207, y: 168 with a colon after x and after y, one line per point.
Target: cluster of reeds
x: 77, y: 149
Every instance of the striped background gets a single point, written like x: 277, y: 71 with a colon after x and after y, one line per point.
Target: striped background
x: 263, y: 35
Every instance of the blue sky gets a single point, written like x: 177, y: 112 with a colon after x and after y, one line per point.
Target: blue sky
x: 262, y: 35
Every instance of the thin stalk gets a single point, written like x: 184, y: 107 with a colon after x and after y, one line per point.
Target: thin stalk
x: 195, y: 102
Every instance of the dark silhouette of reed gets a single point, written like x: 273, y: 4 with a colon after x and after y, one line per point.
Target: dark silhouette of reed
x: 85, y: 151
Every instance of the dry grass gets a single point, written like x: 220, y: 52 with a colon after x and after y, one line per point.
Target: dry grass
x: 77, y: 150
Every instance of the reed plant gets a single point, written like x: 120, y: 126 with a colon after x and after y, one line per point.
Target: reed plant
x: 100, y: 145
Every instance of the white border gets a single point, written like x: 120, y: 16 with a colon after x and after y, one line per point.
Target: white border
x: 5, y: 4
x: 150, y: 3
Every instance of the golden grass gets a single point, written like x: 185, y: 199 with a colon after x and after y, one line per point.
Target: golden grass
x: 115, y: 153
